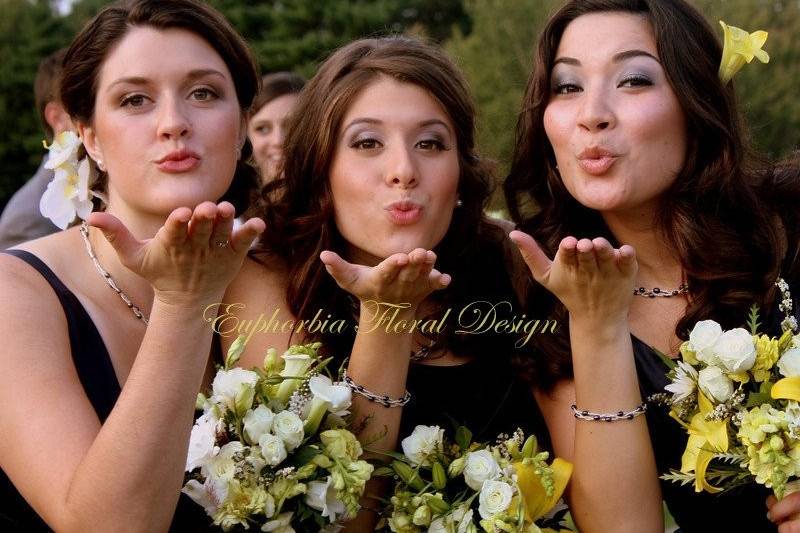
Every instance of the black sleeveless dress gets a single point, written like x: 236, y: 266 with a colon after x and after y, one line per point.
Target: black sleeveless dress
x: 99, y: 381
x: 484, y: 395
x: 741, y: 509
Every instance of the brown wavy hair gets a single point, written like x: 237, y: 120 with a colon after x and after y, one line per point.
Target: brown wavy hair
x: 88, y: 51
x: 300, y: 215
x: 717, y: 215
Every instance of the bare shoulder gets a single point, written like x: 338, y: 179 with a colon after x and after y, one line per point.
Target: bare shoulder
x: 261, y: 277
x: 45, y: 410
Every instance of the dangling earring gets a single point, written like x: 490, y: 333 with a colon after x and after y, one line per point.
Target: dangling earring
x: 459, y: 203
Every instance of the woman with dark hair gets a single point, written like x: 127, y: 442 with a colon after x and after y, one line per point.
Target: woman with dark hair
x: 629, y: 140
x: 267, y: 129
x: 105, y: 347
x: 381, y: 183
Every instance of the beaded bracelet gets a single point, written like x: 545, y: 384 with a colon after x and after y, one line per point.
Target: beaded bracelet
x: 609, y: 417
x: 384, y: 400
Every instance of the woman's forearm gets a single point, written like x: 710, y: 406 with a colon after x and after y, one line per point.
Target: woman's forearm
x: 615, y: 484
x: 132, y: 474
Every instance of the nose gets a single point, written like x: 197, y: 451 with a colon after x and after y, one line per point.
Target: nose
x: 401, y: 170
x: 277, y: 136
x: 596, y: 113
x: 173, y: 122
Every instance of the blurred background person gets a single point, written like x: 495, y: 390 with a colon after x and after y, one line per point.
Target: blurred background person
x: 21, y: 220
x: 267, y: 128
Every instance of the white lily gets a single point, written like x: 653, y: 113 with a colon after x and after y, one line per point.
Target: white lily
x: 296, y: 367
x: 322, y: 497
x: 338, y: 396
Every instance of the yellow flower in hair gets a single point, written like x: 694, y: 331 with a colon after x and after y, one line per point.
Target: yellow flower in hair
x: 740, y: 47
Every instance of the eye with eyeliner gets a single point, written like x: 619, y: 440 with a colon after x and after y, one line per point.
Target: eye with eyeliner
x: 566, y: 87
x: 132, y: 100
x: 364, y: 142
x: 210, y: 94
x: 635, y: 80
x: 434, y: 143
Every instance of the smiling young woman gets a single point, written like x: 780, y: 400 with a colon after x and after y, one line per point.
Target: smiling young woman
x: 632, y: 151
x: 99, y: 393
x: 382, y: 201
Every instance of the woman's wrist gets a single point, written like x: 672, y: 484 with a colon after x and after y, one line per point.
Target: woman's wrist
x: 600, y: 329
x: 386, y: 316
x: 183, y: 304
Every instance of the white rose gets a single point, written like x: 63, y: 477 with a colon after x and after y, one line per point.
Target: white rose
x: 222, y: 466
x: 202, y: 442
x: 272, y: 449
x: 338, y: 396
x: 257, y: 422
x: 480, y: 467
x: 322, y: 497
x: 423, y: 441
x: 289, y: 427
x: 495, y: 498
x: 736, y: 350
x: 702, y: 338
x: 715, y: 384
x: 789, y: 363
x: 230, y: 385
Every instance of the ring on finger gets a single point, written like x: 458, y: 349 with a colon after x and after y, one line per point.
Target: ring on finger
x: 222, y: 244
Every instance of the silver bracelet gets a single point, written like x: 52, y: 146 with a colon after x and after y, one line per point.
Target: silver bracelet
x: 384, y: 400
x: 609, y: 417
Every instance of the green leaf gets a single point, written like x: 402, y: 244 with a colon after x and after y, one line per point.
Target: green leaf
x: 463, y: 437
x: 752, y: 320
x: 667, y: 360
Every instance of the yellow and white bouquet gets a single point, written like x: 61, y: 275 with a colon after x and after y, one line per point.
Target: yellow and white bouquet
x: 736, y: 393
x: 271, y: 448
x: 467, y: 487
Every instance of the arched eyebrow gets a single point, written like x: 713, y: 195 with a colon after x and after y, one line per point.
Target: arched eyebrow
x: 617, y: 58
x: 192, y: 75
x: 365, y: 120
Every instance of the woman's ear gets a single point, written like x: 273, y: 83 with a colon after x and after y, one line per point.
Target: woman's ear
x: 91, y: 143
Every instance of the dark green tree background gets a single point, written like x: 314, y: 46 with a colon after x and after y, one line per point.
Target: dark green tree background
x: 492, y: 40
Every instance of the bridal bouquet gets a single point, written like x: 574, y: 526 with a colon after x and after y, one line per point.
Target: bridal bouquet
x: 736, y: 393
x: 467, y: 487
x: 271, y: 448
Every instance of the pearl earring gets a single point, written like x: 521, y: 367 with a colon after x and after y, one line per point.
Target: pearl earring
x: 100, y: 165
x: 459, y: 202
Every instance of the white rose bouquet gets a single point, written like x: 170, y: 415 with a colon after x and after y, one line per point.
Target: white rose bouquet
x: 271, y: 449
x: 736, y: 393
x: 467, y: 487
